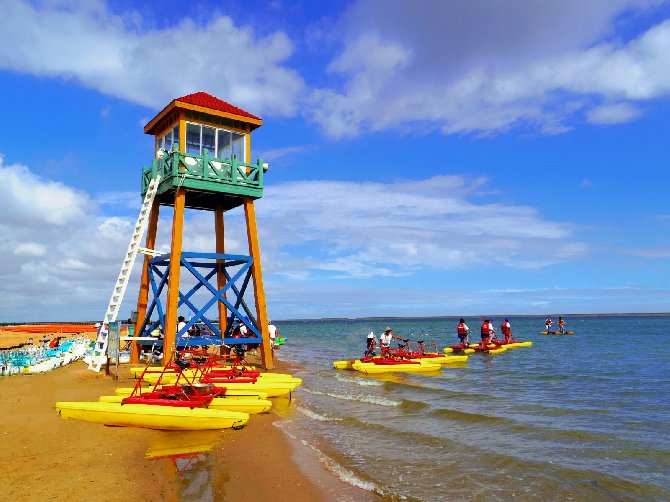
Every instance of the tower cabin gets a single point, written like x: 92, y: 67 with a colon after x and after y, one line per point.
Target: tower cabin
x: 213, y: 141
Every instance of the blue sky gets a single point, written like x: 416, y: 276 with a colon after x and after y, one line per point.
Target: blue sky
x: 426, y: 158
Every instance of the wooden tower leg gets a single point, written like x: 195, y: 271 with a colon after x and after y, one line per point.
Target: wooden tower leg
x: 259, y: 289
x: 220, y: 276
x: 170, y: 328
x: 143, y: 296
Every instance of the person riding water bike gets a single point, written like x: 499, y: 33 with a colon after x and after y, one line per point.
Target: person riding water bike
x: 385, y: 342
x: 371, y: 345
x: 487, y: 332
x: 548, y: 324
x: 463, y: 331
x: 506, y: 330
x: 561, y: 325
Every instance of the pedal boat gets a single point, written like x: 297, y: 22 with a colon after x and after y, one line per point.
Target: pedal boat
x: 150, y: 416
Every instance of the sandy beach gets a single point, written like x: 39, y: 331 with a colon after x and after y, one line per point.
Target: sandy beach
x: 47, y: 458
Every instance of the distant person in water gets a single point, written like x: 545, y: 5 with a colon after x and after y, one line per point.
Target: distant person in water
x: 561, y: 325
x: 548, y: 324
x: 463, y: 331
x: 506, y: 330
x: 370, y: 345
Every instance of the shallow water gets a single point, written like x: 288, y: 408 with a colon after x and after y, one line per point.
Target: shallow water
x: 574, y: 417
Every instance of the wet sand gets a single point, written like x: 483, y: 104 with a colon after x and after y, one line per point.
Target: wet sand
x: 47, y: 458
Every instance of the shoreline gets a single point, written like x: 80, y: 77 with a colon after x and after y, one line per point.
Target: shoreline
x: 46, y: 457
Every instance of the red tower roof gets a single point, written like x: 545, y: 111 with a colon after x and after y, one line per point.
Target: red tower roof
x: 206, y: 103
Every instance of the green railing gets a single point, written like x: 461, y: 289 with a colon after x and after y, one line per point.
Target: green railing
x: 205, y: 173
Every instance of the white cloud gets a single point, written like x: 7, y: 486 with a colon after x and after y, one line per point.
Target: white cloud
x: 30, y: 249
x: 85, y: 41
x: 125, y: 199
x: 658, y: 252
x: 30, y: 199
x: 282, y: 153
x: 376, y: 229
x: 488, y: 66
x: 613, y: 114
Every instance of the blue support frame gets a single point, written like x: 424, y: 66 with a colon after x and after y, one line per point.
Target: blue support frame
x: 239, y: 310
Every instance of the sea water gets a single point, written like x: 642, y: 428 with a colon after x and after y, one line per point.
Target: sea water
x: 574, y: 417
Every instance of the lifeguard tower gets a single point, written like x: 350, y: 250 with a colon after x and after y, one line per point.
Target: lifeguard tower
x: 203, y: 151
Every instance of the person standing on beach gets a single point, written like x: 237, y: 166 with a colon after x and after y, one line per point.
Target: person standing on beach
x: 548, y: 323
x: 506, y: 329
x: 182, y: 323
x: 561, y: 325
x: 272, y: 331
x: 463, y: 331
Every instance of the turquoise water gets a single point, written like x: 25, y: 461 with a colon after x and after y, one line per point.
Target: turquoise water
x: 574, y: 417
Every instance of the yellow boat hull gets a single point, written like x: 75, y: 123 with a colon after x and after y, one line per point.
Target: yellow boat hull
x: 345, y: 364
x: 151, y: 416
x: 449, y: 350
x: 372, y: 368
x: 515, y: 345
x: 446, y: 359
x: 270, y: 389
x: 349, y: 364
x: 244, y: 405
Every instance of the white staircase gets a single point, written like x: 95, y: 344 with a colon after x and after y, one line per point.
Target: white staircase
x: 100, y: 351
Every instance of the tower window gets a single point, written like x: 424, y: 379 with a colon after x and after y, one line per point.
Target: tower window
x: 221, y: 143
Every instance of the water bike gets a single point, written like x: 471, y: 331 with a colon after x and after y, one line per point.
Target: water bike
x: 181, y: 406
x: 375, y: 365
x: 385, y: 364
x: 557, y: 333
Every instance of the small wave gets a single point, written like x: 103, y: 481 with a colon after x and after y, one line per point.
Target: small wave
x: 408, y: 405
x: 312, y: 391
x: 382, y: 401
x: 359, y: 381
x: 341, y: 472
x: 338, y: 470
x: 466, y: 416
x: 316, y: 416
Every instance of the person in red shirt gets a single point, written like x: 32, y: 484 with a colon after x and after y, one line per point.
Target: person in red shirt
x: 487, y: 332
x: 463, y: 331
x: 506, y: 330
x: 561, y: 325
